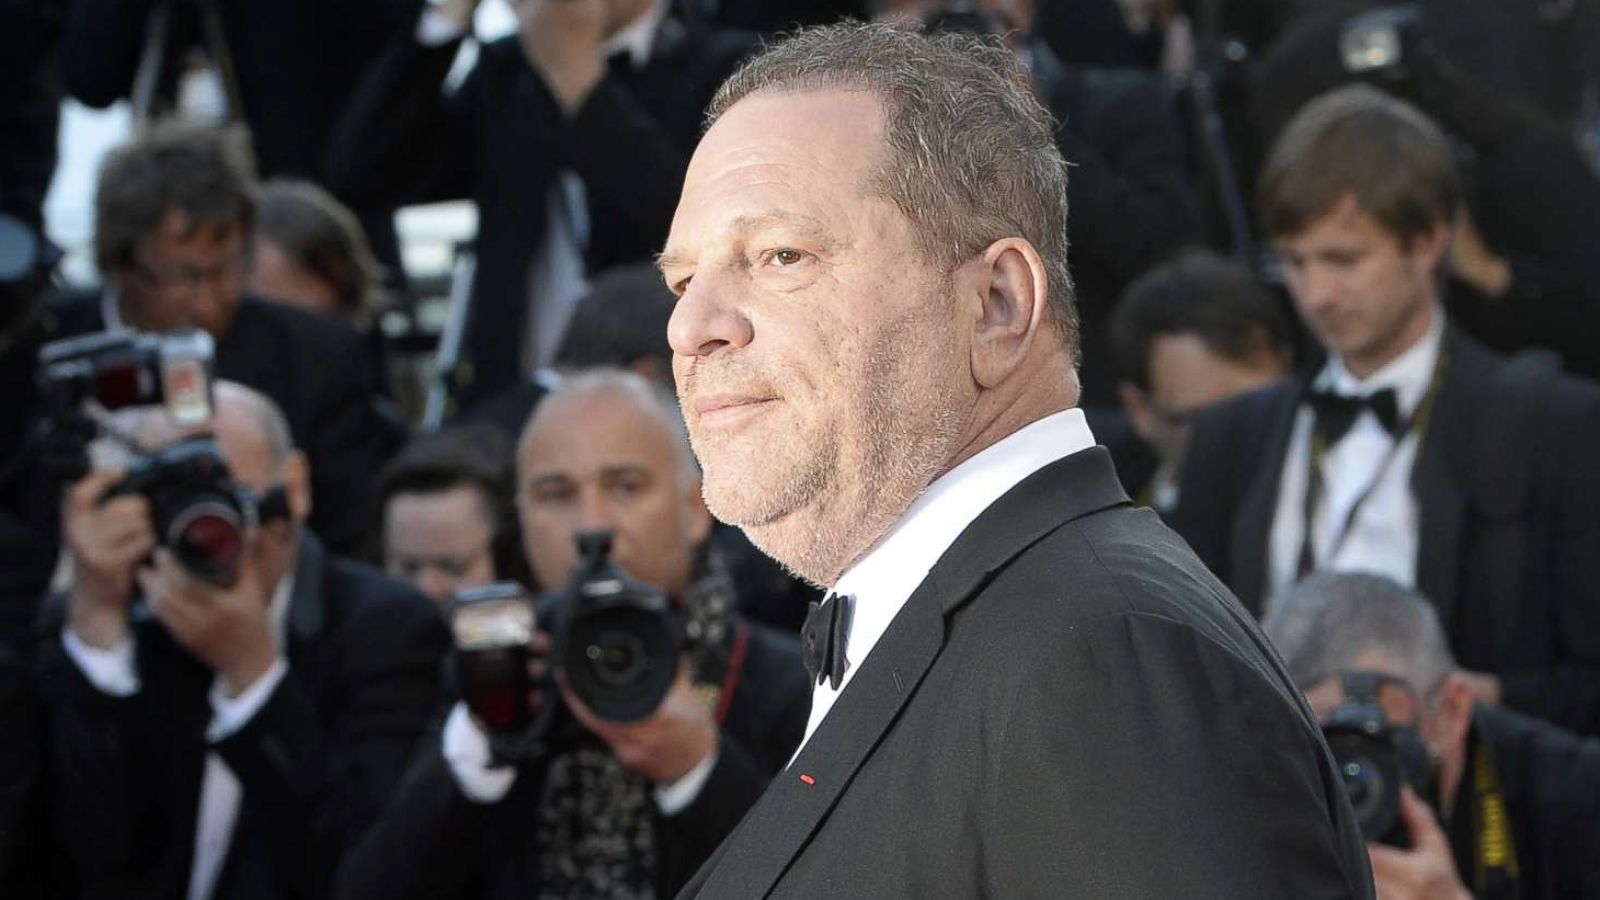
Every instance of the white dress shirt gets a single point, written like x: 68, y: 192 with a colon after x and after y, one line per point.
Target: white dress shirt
x: 883, y: 580
x: 1383, y: 535
x: 112, y: 671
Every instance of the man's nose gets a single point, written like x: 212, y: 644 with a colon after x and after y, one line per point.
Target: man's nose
x: 706, y: 319
x: 594, y: 514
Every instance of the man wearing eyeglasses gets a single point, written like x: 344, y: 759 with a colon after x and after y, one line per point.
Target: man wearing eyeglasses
x: 173, y: 217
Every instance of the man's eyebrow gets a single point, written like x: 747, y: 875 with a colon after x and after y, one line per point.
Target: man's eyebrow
x: 810, y: 227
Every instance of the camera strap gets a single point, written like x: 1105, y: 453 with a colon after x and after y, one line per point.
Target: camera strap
x: 730, y: 678
x: 1495, y: 873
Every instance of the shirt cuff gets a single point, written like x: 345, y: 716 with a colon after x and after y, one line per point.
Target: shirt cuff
x: 230, y: 714
x: 110, y: 671
x: 466, y: 750
x: 434, y: 29
x: 675, y: 796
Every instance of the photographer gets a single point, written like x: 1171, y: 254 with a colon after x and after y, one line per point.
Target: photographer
x: 214, y: 736
x: 1504, y: 806
x: 571, y: 137
x: 629, y: 810
x: 174, y: 215
x: 446, y: 518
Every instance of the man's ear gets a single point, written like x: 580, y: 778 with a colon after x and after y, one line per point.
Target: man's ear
x: 1429, y: 247
x: 1014, y: 293
x: 297, y: 484
x: 1137, y: 407
x: 1452, y: 714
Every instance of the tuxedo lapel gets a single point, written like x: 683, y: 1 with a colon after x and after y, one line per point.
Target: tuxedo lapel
x: 1251, y: 538
x: 795, y: 805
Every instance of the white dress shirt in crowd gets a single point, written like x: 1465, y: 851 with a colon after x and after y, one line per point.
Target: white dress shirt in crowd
x: 1383, y: 535
x: 883, y: 580
x: 113, y: 672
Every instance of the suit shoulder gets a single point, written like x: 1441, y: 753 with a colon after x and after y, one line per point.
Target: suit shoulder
x: 1122, y: 564
x: 356, y: 592
x: 321, y: 332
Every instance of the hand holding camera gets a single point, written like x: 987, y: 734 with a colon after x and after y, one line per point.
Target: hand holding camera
x: 664, y: 747
x: 1427, y: 871
x: 562, y: 40
x: 107, y: 539
x: 223, y: 627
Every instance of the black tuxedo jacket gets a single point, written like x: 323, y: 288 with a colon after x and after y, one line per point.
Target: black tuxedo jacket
x: 321, y: 374
x: 316, y: 762
x: 1069, y: 705
x: 501, y: 141
x: 1509, y: 499
x: 433, y: 843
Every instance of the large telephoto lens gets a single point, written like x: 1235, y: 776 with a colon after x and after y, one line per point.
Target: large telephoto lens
x: 207, y: 537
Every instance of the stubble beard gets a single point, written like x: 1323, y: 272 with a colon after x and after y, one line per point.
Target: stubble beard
x: 830, y: 494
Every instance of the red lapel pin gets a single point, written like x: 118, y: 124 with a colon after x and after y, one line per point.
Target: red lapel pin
x: 808, y: 779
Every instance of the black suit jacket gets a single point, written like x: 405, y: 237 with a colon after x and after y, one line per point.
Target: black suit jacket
x: 1069, y: 705
x: 1509, y: 500
x: 316, y: 762
x: 435, y: 844
x: 500, y: 140
x: 1550, y: 782
x: 320, y: 373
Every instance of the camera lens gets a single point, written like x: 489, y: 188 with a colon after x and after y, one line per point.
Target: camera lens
x: 207, y: 538
x: 618, y: 659
x: 1363, y: 784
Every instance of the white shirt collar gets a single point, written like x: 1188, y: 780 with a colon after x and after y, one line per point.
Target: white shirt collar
x: 1409, y: 374
x: 883, y: 580
x: 638, y: 36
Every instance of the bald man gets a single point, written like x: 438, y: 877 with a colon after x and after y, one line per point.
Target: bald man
x: 226, y: 740
x: 632, y: 809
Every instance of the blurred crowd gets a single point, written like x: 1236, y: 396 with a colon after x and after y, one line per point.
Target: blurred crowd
x: 1337, y: 266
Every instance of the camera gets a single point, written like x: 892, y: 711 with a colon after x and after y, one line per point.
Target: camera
x: 197, y: 510
x: 84, y: 378
x: 1375, y: 759
x: 118, y: 369
x: 615, y: 641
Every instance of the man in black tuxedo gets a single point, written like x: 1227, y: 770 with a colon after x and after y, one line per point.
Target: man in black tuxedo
x: 618, y: 810
x: 1026, y: 687
x: 172, y: 240
x: 226, y: 741
x: 1413, y: 452
x: 571, y: 136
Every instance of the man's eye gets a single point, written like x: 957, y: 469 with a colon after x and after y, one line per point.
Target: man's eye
x: 786, y: 256
x: 681, y: 286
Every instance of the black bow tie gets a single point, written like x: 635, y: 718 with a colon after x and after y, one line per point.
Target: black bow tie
x: 823, y: 637
x: 1336, y: 413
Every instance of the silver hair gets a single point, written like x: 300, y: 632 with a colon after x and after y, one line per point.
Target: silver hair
x: 1321, y: 625
x: 266, y: 414
x: 655, y: 397
x: 971, y: 155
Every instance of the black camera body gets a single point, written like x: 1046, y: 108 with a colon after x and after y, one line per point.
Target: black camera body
x: 615, y: 641
x: 1376, y: 759
x: 196, y: 508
